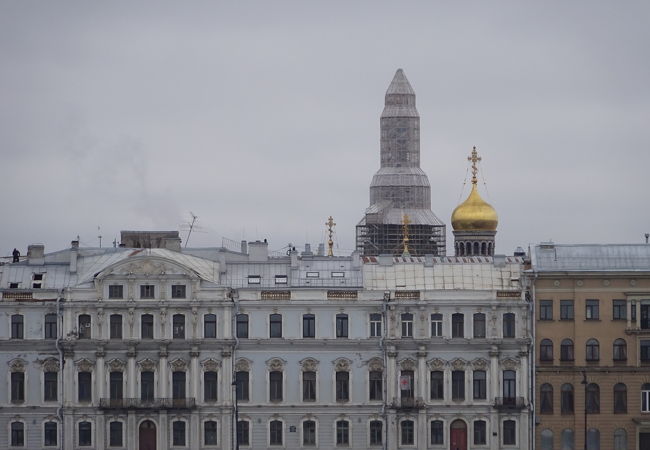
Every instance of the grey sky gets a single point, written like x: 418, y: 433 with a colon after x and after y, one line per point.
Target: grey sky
x: 263, y: 117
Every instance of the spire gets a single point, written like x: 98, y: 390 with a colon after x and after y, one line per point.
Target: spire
x: 400, y: 85
x: 400, y: 98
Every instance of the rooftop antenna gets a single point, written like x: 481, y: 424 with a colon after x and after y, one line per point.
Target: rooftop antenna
x: 330, y: 231
x: 189, y: 232
x: 99, y: 235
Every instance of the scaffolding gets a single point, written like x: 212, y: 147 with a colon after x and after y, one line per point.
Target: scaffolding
x: 379, y: 238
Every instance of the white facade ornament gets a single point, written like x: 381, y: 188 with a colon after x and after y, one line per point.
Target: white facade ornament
x: 509, y: 363
x: 480, y: 364
x: 309, y: 365
x: 17, y: 365
x: 376, y: 364
x: 342, y: 364
x: 437, y: 363
x: 458, y: 364
x: 243, y: 365
x: 84, y: 365
x: 147, y: 365
x: 178, y: 364
x: 211, y: 365
x: 116, y: 364
x: 275, y: 364
x: 408, y: 364
x: 50, y: 365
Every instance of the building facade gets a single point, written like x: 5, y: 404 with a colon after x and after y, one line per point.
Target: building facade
x: 592, y: 340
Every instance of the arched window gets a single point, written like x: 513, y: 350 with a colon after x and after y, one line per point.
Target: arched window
x: 593, y: 439
x: 567, y: 440
x: 407, y: 432
x: 210, y: 326
x: 85, y: 434
x: 209, y: 432
x: 566, y: 399
x: 50, y: 434
x: 484, y: 249
x: 459, y: 248
x: 342, y: 432
x: 593, y: 398
x: 645, y: 397
x: 593, y: 350
x: 490, y: 249
x: 546, y: 399
x: 468, y: 248
x: 620, y: 439
x: 475, y: 250
x: 547, y: 439
x: 546, y: 350
x: 620, y: 398
x: 376, y: 432
x: 508, y: 325
x: 620, y: 350
x: 566, y: 350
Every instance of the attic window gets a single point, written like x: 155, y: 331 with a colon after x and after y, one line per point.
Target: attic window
x: 147, y: 291
x: 338, y: 274
x: 254, y: 279
x: 36, y: 285
x: 178, y: 291
x: 115, y: 291
x: 281, y: 279
x: 13, y: 285
x: 312, y: 275
x: 37, y: 277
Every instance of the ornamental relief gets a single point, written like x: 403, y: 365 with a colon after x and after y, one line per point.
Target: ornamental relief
x: 243, y: 365
x: 458, y: 364
x: 437, y: 363
x: 50, y: 365
x: 509, y: 363
x: 178, y: 364
x: 275, y: 364
x: 116, y: 364
x: 480, y: 364
x: 408, y: 364
x: 84, y: 365
x: 342, y: 364
x: 211, y: 365
x: 309, y: 365
x: 376, y: 364
x: 147, y: 365
x: 17, y: 365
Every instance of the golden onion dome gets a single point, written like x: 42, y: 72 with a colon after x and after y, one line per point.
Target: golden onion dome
x: 474, y: 214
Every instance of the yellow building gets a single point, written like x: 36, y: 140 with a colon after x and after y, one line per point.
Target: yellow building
x: 592, y: 346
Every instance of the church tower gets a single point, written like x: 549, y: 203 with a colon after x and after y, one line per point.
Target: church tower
x: 400, y: 194
x: 474, y: 221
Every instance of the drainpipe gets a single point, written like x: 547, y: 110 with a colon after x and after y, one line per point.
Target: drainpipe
x: 59, y: 332
x: 234, y: 297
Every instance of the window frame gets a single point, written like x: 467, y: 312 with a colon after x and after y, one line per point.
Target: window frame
x: 375, y: 321
x: 309, y: 326
x: 406, y: 324
x: 342, y: 326
x: 436, y: 324
x: 592, y: 309
x: 209, y: 326
x: 458, y: 326
x: 275, y: 326
x: 567, y: 309
x: 545, y: 310
x: 147, y: 291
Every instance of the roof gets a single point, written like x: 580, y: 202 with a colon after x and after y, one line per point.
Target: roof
x: 549, y: 257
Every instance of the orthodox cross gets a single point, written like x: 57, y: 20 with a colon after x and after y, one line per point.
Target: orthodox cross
x: 405, y: 231
x: 330, y: 231
x: 474, y: 158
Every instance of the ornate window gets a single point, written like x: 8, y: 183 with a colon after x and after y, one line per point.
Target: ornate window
x: 342, y: 386
x: 567, y: 399
x: 437, y: 385
x: 275, y: 386
x: 458, y: 385
x: 479, y: 385
x: 546, y: 399
x: 309, y: 386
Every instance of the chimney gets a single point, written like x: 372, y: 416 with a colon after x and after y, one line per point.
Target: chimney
x: 307, y: 251
x: 74, y: 252
x: 294, y: 257
x: 172, y: 243
x: 36, y: 254
x: 244, y: 247
x: 321, y: 249
x: 258, y: 251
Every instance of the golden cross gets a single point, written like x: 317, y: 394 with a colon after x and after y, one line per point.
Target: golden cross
x: 474, y: 158
x: 330, y: 243
x: 405, y: 230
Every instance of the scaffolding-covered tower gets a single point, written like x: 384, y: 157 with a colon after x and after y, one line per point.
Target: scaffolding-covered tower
x: 400, y: 187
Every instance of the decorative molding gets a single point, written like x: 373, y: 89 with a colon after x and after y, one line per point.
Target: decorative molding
x: 116, y: 364
x: 147, y: 365
x: 408, y: 364
x: 458, y: 364
x: 211, y: 365
x: 17, y: 365
x: 50, y: 365
x: 309, y: 365
x: 275, y: 364
x: 480, y: 364
x: 84, y: 365
x: 342, y: 364
x: 376, y: 364
x: 178, y: 364
x: 509, y: 363
x: 243, y: 365
x: 437, y: 363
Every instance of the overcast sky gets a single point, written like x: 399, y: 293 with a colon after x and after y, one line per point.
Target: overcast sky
x: 262, y: 118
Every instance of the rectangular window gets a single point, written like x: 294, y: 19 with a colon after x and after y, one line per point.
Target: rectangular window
x: 50, y: 326
x: 479, y: 385
x: 241, y: 386
x: 178, y: 385
x: 254, y: 279
x: 341, y: 325
x: 437, y: 385
x: 115, y: 434
x: 275, y: 432
x: 375, y: 325
x: 309, y: 433
x: 243, y: 432
x: 458, y: 385
x: 178, y: 291
x: 566, y: 310
x: 275, y: 326
x: 342, y: 386
x: 479, y: 325
x: 210, y: 326
x: 309, y: 386
x: 407, y: 385
x: 178, y: 433
x: 146, y: 326
x: 407, y: 325
x: 457, y: 325
x: 17, y: 434
x: 17, y: 387
x: 592, y: 310
x: 619, y: 310
x: 210, y: 386
x: 178, y: 326
x: 645, y: 351
x: 480, y: 432
x: 281, y: 279
x: 308, y: 326
x: 50, y: 386
x: 313, y: 274
x: 50, y: 434
x: 509, y: 432
x: 84, y: 326
x: 342, y: 432
x: 546, y: 310
x: 210, y: 432
x: 115, y: 326
x: 275, y: 386
x: 437, y: 432
x: 85, y: 434
x: 436, y: 325
x: 508, y: 325
x: 116, y: 383
x: 375, y: 383
x: 407, y: 431
x: 17, y: 327
x: 14, y: 285
x: 85, y: 386
x: 147, y: 386
x: 242, y: 326
x: 376, y: 432
x: 147, y: 291
x: 115, y: 291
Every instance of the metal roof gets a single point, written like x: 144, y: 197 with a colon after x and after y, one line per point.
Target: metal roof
x: 591, y: 257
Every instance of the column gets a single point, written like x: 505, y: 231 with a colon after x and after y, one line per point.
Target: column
x: 194, y: 430
x: 163, y: 372
x: 628, y: 307
x: 494, y: 433
x: 163, y: 430
x: 226, y: 374
x: 68, y: 395
x: 100, y: 378
x: 132, y: 431
x: 391, y: 380
x: 194, y: 373
x: 69, y: 434
x: 100, y: 432
x: 130, y: 375
x: 422, y: 372
x: 227, y: 322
